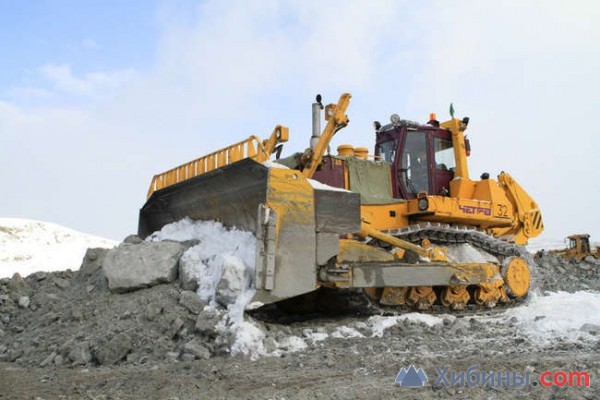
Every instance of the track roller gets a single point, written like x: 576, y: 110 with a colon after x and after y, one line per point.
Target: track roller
x: 421, y: 297
x: 455, y: 297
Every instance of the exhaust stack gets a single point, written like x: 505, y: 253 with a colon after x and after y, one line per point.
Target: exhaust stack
x: 317, y: 106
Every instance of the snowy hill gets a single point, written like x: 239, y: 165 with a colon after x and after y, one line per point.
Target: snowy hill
x: 544, y: 243
x: 540, y: 243
x: 27, y: 246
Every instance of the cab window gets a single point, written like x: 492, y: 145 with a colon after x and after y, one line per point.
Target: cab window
x: 444, y: 154
x: 414, y: 167
x: 387, y: 150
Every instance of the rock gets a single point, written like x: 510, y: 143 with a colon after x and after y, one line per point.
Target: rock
x: 93, y: 258
x: 59, y: 360
x: 172, y: 355
x: 186, y: 278
x: 205, y: 324
x: 49, y: 318
x: 197, y: 349
x: 270, y: 345
x: 539, y: 317
x: 61, y: 283
x: 192, y: 302
x: 187, y: 357
x: 152, y: 311
x: 234, y: 281
x: 17, y: 287
x: 447, y: 321
x: 48, y: 360
x: 592, y: 329
x: 131, y: 267
x: 76, y: 315
x: 133, y: 239
x: 24, y: 301
x: 80, y: 354
x: 115, y: 350
x: 14, y: 355
x: 40, y: 276
x: 175, y: 327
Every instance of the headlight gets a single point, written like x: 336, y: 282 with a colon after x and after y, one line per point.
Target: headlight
x: 423, y: 204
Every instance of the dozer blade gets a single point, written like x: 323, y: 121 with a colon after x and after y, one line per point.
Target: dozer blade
x: 297, y: 227
x: 230, y: 194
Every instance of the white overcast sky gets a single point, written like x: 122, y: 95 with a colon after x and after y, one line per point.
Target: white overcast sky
x: 96, y: 97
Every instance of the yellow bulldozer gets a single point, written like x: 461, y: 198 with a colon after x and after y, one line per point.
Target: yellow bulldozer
x: 578, y: 248
x: 406, y: 226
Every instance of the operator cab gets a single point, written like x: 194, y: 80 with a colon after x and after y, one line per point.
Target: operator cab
x: 421, y: 158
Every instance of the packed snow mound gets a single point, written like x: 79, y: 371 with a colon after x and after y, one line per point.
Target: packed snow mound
x: 558, y: 315
x: 28, y: 246
x: 223, y: 263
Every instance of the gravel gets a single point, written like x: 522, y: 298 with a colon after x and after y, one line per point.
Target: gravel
x: 66, y: 334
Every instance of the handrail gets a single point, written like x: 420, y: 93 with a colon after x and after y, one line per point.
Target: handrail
x: 252, y: 147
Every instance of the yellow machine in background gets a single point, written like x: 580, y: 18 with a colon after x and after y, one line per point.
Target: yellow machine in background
x: 578, y: 248
x: 407, y: 226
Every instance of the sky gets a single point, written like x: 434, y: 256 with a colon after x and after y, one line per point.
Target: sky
x: 96, y: 97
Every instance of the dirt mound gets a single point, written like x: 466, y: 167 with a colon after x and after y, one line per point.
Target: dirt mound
x: 75, y: 318
x: 72, y: 318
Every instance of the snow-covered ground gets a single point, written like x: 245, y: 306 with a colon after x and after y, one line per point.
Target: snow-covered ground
x: 558, y: 315
x: 27, y: 246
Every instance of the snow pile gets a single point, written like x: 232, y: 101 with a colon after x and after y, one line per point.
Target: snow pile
x: 28, y: 246
x: 558, y: 315
x: 273, y: 164
x: 379, y: 324
x: 223, y: 263
x: 345, y: 332
x: 322, y: 186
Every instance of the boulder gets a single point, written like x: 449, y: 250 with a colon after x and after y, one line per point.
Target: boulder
x: 206, y: 324
x: 130, y: 267
x: 192, y: 302
x: 115, y: 350
x: 187, y: 279
x: 234, y: 281
x: 133, y: 239
x: 24, y: 301
x: 196, y: 348
x: 80, y: 354
x: 17, y: 287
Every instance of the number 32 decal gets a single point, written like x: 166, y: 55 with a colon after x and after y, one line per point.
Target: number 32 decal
x: 502, y: 210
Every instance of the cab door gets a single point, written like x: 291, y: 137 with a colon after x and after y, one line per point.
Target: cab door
x: 443, y: 163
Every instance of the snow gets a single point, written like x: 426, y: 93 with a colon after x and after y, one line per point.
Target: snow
x: 28, y: 246
x: 273, y: 164
x: 379, y: 324
x: 318, y: 185
x: 318, y: 336
x: 345, y: 332
x: 223, y: 264
x: 558, y: 314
